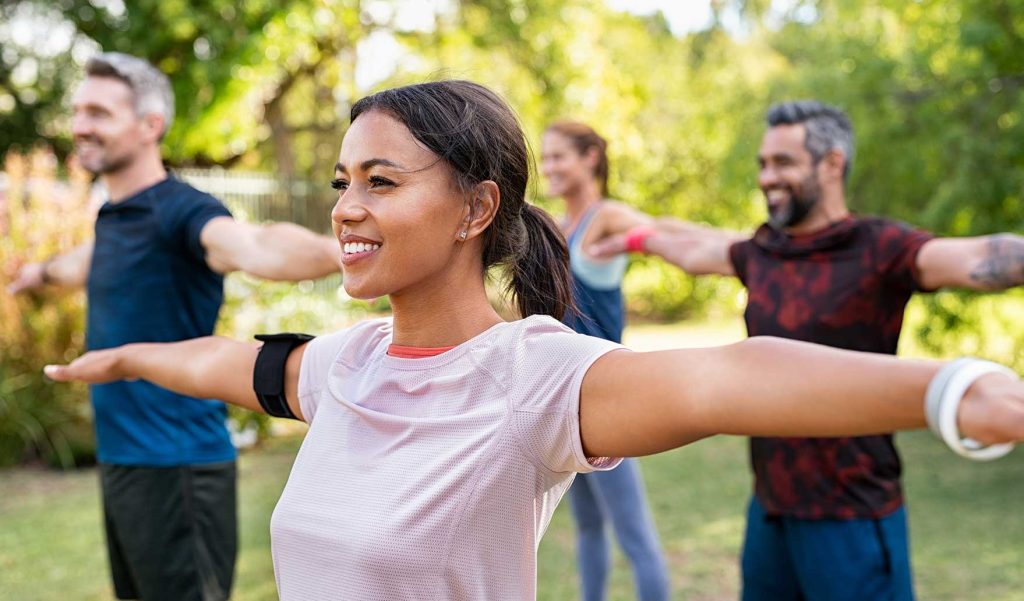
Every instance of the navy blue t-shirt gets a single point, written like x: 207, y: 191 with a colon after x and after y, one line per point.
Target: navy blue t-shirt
x: 149, y: 282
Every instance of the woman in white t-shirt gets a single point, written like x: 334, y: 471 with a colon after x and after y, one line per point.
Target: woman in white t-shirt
x: 441, y: 439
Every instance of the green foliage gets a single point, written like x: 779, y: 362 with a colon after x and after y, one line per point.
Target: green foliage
x: 935, y: 93
x: 934, y: 89
x: 40, y: 216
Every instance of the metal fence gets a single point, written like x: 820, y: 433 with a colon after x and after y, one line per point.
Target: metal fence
x: 257, y: 197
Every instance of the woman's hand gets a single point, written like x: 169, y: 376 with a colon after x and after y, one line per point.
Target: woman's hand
x: 95, y: 367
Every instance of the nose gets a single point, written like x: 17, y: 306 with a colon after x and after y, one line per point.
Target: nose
x: 348, y: 209
x: 546, y: 166
x: 80, y: 125
x: 767, y: 177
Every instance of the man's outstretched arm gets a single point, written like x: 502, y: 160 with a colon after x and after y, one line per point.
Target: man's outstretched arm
x: 696, y: 249
x: 276, y: 251
x: 70, y: 270
x: 993, y: 262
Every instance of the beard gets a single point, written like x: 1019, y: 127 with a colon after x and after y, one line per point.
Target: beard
x: 102, y: 162
x: 799, y: 206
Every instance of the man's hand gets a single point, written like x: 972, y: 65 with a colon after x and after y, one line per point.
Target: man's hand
x: 69, y: 269
x: 608, y: 247
x: 29, y: 277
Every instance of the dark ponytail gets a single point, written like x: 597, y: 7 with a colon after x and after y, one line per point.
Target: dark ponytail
x: 478, y: 136
x: 539, y: 276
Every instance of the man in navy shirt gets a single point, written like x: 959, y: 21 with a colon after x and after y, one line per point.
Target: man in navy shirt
x: 154, y: 272
x: 826, y: 521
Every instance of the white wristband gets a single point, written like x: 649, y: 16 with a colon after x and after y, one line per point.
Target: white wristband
x: 933, y: 397
x: 942, y: 403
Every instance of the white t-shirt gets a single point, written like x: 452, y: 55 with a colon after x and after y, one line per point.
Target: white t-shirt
x: 431, y: 478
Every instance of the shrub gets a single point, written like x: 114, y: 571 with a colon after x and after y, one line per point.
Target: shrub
x: 39, y: 217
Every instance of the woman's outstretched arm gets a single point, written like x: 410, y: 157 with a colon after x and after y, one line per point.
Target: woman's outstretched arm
x: 206, y: 368
x: 642, y: 403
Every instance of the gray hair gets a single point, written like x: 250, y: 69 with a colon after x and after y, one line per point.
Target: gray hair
x: 151, y: 88
x: 827, y: 128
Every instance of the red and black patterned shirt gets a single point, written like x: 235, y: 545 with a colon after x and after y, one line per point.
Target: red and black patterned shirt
x: 846, y: 287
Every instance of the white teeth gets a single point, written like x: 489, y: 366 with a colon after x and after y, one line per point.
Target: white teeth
x: 351, y: 248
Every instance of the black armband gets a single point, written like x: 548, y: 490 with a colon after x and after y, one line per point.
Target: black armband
x: 268, y: 375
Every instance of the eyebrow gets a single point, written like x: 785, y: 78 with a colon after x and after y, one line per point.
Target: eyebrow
x: 776, y: 156
x: 366, y: 165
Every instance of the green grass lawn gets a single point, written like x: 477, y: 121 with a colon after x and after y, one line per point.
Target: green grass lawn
x: 967, y: 519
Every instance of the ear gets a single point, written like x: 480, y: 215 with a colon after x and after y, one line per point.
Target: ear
x: 153, y: 126
x: 832, y: 165
x: 592, y: 157
x: 479, y: 211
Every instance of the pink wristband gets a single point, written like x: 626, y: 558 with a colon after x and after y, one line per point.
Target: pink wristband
x: 637, y: 236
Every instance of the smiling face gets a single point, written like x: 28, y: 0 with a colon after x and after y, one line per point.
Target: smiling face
x: 398, y: 216
x: 564, y: 167
x: 788, y: 176
x: 108, y: 133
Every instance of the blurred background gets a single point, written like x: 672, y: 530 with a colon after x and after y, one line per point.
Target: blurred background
x: 935, y: 89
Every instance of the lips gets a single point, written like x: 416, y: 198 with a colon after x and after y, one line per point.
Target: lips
x: 355, y: 248
x: 776, y: 198
x: 87, y: 142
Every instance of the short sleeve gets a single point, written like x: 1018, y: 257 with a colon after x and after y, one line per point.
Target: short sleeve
x: 898, y: 246
x: 550, y: 363
x: 323, y: 352
x: 187, y: 212
x: 320, y: 354
x: 738, y: 258
x: 197, y: 218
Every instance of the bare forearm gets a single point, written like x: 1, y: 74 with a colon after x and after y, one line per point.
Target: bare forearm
x: 290, y: 252
x: 70, y: 269
x: 1002, y: 266
x: 206, y: 368
x: 758, y: 387
x: 775, y: 387
x: 695, y: 249
x: 675, y: 247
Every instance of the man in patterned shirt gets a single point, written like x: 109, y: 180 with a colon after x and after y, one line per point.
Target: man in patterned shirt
x: 826, y: 521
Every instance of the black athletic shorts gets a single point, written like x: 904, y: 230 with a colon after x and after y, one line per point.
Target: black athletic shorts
x: 171, y: 531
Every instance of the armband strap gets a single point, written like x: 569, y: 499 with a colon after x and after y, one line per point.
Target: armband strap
x: 268, y: 375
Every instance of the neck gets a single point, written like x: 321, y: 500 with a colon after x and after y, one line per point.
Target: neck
x: 831, y: 209
x: 146, y: 170
x: 579, y: 199
x: 445, y: 312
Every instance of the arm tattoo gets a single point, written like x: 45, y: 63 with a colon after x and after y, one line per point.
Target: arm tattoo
x: 1003, y: 264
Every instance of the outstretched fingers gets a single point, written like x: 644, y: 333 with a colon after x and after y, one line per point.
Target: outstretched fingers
x: 97, y: 367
